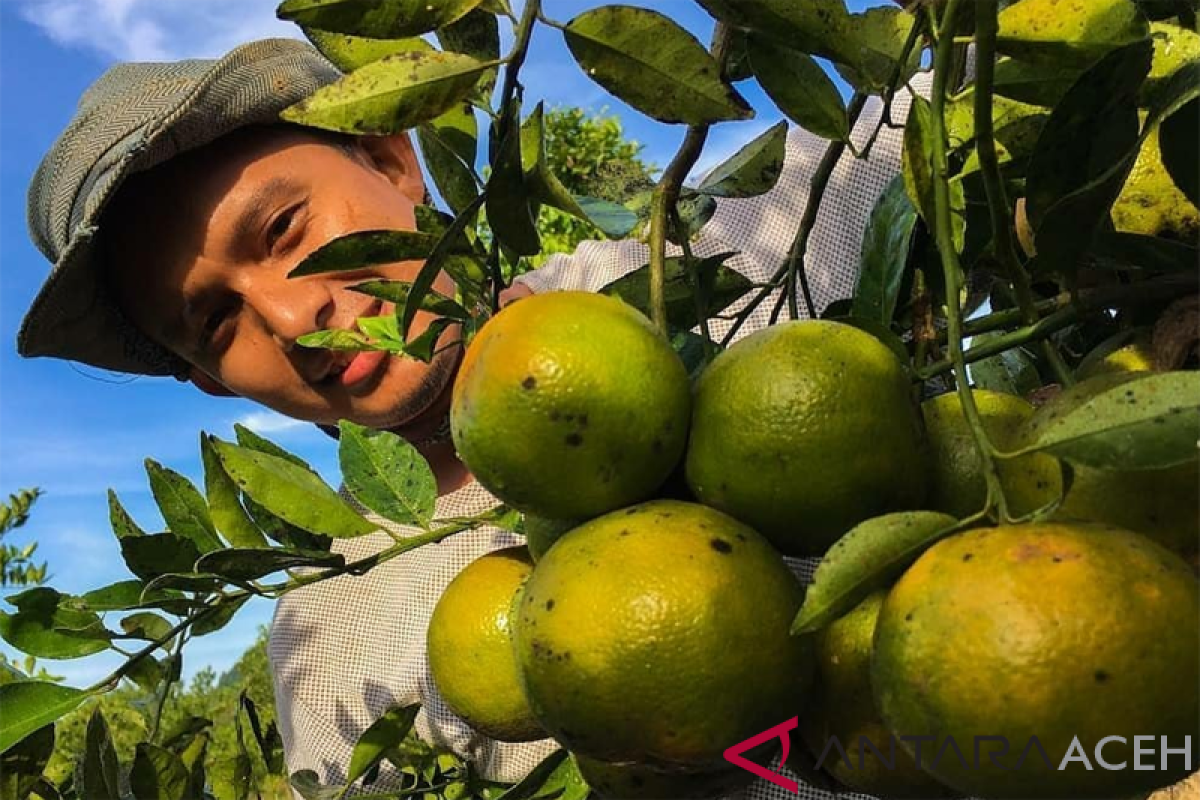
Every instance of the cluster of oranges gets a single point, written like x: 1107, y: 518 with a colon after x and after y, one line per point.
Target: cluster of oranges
x: 646, y: 626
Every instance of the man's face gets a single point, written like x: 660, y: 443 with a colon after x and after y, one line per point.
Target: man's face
x: 199, y: 252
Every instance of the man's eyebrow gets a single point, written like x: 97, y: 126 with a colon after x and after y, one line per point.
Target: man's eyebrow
x: 249, y: 221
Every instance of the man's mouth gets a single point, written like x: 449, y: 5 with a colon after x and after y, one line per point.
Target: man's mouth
x: 351, y: 369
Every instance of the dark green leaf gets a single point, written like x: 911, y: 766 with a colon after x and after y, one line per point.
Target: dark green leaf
x: 350, y: 341
x: 282, y: 532
x: 547, y: 774
x: 387, y: 474
x: 375, y: 19
x: 31, y: 705
x: 477, y: 35
x: 1068, y: 33
x: 122, y: 524
x: 1011, y: 372
x: 690, y: 347
x: 293, y: 493
x: 366, y: 249
x: 157, y: 774
x: 422, y: 284
x: 650, y: 62
x: 821, y: 27
x: 612, y: 219
x: 182, y: 506
x: 1016, y: 126
x: 185, y: 582
x: 145, y: 625
x: 695, y: 210
x: 885, y: 248
x: 390, y: 95
x: 1152, y: 253
x: 252, y: 564
x: 1037, y: 84
x: 269, y: 743
x: 510, y: 207
x: 1151, y: 422
x: 449, y: 144
x: 22, y: 765
x: 423, y: 347
x: 99, y: 773
x: 727, y: 285
x: 869, y: 557
x: 44, y: 627
x: 309, y: 786
x: 220, y: 618
x: 225, y: 502
x: 801, y: 89
x: 384, y: 734
x: 1082, y: 157
x: 251, y: 440
x: 147, y: 673
x: 751, y: 171
x: 156, y: 554
x: 1179, y: 143
x: 120, y: 596
x: 348, y: 52
x: 397, y: 292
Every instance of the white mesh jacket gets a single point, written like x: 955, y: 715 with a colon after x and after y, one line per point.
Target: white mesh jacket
x: 345, y: 650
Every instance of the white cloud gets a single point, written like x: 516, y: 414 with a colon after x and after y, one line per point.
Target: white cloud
x: 155, y: 30
x: 267, y: 422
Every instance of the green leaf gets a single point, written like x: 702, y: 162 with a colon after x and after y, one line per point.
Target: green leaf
x: 339, y: 339
x: 800, y: 88
x: 433, y: 265
x: 219, y: 618
x: 308, y: 784
x: 654, y: 65
x: 390, y: 95
x: 613, y: 220
x: 695, y: 210
x: 751, y: 171
x: 1072, y: 187
x: 557, y: 776
x: 1120, y: 250
x: 348, y: 52
x: 918, y: 171
x: 22, y: 765
x: 869, y: 557
x: 885, y: 248
x: 147, y: 674
x: 1179, y: 144
x: 366, y: 249
x: 1037, y: 84
x: 449, y: 144
x: 1016, y: 126
x: 477, y: 35
x: 157, y: 774
x: 251, y: 440
x: 145, y: 625
x: 397, y: 292
x: 43, y: 627
x: 387, y: 475
x: 225, y: 502
x: 124, y: 595
x: 821, y: 27
x: 724, y: 287
x: 293, y: 493
x: 869, y: 56
x: 1068, y: 33
x: 1011, y: 372
x: 193, y: 582
x: 99, y: 773
x: 282, y: 532
x: 182, y: 506
x: 31, y: 705
x: 159, y: 553
x: 122, y: 524
x: 511, y: 212
x: 252, y: 564
x: 422, y: 347
x: 372, y: 18
x: 270, y: 746
x: 383, y: 735
x: 1152, y: 422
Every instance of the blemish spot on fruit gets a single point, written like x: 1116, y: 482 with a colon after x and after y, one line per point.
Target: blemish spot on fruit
x: 741, y: 537
x: 1101, y: 676
x: 625, y: 532
x: 583, y: 420
x: 550, y: 604
x: 968, y: 556
x: 573, y: 439
x: 908, y: 617
x: 530, y: 382
x: 554, y: 415
x: 629, y: 511
x: 720, y: 545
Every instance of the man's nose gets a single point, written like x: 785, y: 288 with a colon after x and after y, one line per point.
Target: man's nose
x: 293, y: 307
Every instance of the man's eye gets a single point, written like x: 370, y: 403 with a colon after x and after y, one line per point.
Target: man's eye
x: 280, y: 226
x: 212, y: 326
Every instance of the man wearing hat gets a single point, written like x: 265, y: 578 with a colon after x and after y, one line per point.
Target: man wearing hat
x: 172, y: 209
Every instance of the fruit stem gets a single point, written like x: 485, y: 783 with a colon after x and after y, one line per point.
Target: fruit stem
x: 666, y: 193
x: 951, y: 268
x: 1003, y: 233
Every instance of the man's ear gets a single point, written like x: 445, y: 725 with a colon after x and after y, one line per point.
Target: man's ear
x: 208, y: 384
x: 396, y: 158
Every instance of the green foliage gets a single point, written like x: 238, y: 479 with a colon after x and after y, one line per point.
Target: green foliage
x: 17, y: 567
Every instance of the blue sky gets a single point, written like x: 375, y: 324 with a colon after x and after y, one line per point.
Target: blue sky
x: 75, y: 431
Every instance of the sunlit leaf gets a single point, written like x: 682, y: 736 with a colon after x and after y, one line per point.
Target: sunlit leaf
x: 391, y: 95
x: 918, y: 171
x: 30, y: 705
x: 182, y: 506
x: 511, y: 212
x: 145, y: 625
x: 122, y: 524
x: 1068, y: 32
x: 752, y: 170
x: 449, y: 144
x: 157, y: 774
x: 870, y: 56
x: 43, y: 627
x: 650, y: 62
x: 800, y: 88
x: 372, y: 18
x: 820, y: 27
x: 366, y: 249
x: 387, y: 474
x: 397, y: 292
x: 253, y: 441
x: 384, y: 734
x: 348, y: 52
x: 225, y: 503
x: 885, y: 247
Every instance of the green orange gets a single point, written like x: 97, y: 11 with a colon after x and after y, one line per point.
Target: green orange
x: 659, y: 634
x: 804, y: 429
x: 570, y: 404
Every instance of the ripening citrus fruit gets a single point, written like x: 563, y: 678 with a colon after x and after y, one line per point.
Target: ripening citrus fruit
x: 1161, y: 504
x: 1150, y: 203
x: 956, y: 473
x: 844, y: 707
x: 570, y: 404
x: 1128, y: 351
x: 659, y: 634
x: 470, y: 647
x: 1053, y: 631
x: 803, y: 430
x: 633, y: 781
